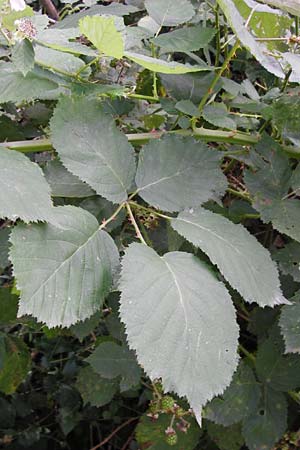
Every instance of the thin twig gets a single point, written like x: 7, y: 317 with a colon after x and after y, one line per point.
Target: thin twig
x: 120, y: 427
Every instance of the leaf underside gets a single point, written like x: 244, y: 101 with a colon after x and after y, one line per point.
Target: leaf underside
x: 71, y: 265
x: 180, y: 321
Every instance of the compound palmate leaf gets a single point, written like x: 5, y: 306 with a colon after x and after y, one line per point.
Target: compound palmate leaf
x: 176, y: 172
x: 91, y: 147
x: 244, y: 262
x: 21, y: 182
x: 65, y: 269
x: 180, y: 321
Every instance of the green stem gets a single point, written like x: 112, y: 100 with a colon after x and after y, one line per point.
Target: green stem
x: 218, y: 75
x: 7, y: 38
x: 206, y: 135
x: 155, y: 92
x: 33, y: 146
x: 218, y: 36
x: 286, y: 80
x: 264, y: 126
x: 93, y: 61
x: 246, y: 353
x: 143, y: 97
x: 231, y: 137
x: 133, y: 221
x: 251, y: 216
x: 295, y: 396
x: 243, y: 195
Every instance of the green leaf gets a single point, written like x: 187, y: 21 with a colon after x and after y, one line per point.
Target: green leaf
x: 190, y: 86
x: 15, y: 363
x: 95, y: 390
x: 285, y: 114
x: 4, y: 246
x: 103, y: 34
x: 229, y: 438
x: 269, y: 186
x: 84, y: 328
x: 176, y: 172
x: 23, y: 56
x: 9, y: 20
x: 180, y: 321
x: 24, y: 192
x: 280, y: 372
x: 151, y: 434
x: 66, y: 62
x: 290, y: 325
x: 60, y: 40
x: 113, y: 9
x: 237, y: 13
x: 7, y: 414
x: 244, y: 262
x: 92, y: 148
x: 188, y: 107
x: 111, y: 360
x: 8, y: 306
x: 291, y: 6
x: 14, y: 87
x: 264, y: 428
x: 288, y: 258
x: 239, y: 400
x: 64, y: 269
x: 63, y: 183
x: 217, y: 115
x: 168, y: 13
x: 162, y: 66
x: 185, y: 39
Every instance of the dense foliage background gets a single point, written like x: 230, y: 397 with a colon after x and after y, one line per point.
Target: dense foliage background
x: 195, y: 343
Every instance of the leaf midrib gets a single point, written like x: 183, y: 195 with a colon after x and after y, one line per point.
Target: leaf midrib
x: 64, y: 262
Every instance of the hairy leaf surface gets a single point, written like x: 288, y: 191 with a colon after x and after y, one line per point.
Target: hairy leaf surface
x: 269, y: 185
x: 244, y: 262
x: 290, y: 324
x: 23, y: 56
x: 168, y: 13
x: 63, y: 183
x: 64, y: 270
x: 185, y: 39
x: 14, y: 87
x: 102, y: 32
x: 95, y: 390
x: 280, y: 372
x: 239, y: 400
x: 181, y: 322
x: 21, y: 181
x: 265, y: 427
x: 162, y: 66
x: 111, y: 360
x: 176, y: 172
x: 91, y: 147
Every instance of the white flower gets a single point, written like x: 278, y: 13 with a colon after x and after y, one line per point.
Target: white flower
x: 17, y: 5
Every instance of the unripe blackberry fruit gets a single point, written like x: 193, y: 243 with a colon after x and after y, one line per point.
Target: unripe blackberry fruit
x: 167, y: 403
x: 171, y: 439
